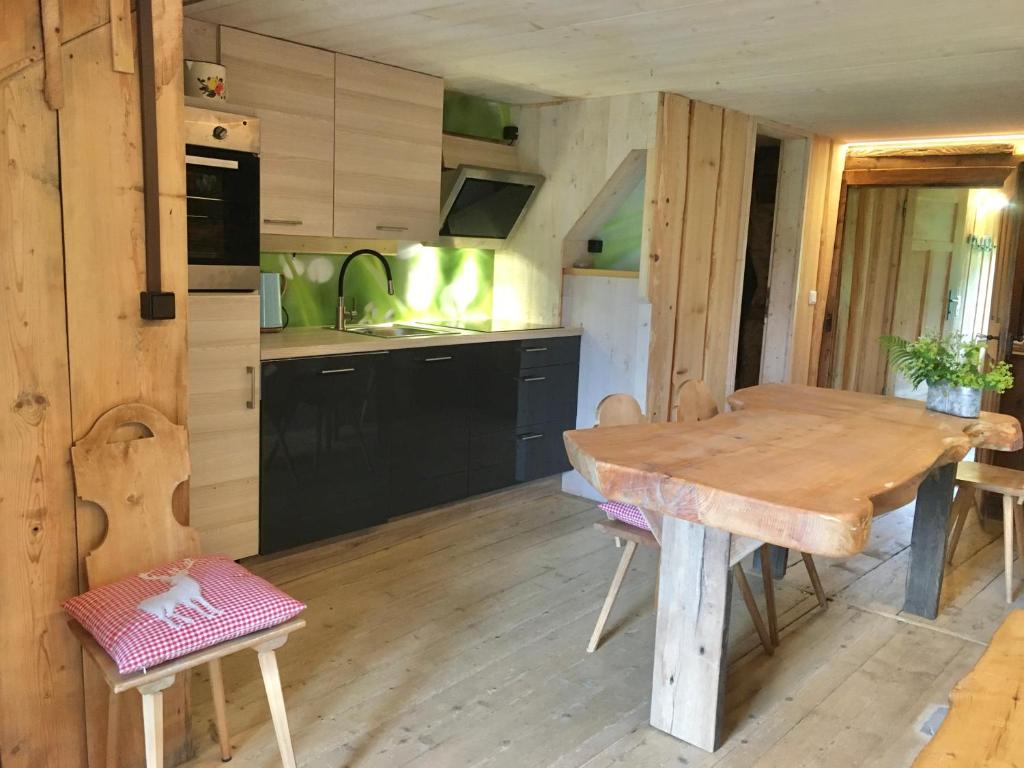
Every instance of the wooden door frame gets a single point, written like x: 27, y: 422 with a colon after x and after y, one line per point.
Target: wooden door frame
x: 936, y: 166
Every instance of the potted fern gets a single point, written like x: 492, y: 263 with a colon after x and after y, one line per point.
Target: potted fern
x: 954, y: 369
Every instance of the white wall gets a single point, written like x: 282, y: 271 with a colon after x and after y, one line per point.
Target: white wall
x: 613, y: 349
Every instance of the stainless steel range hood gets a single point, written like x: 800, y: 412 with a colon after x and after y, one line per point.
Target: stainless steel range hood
x: 484, y: 202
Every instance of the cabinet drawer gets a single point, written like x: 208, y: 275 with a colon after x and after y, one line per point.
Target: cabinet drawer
x: 540, y: 352
x: 547, y: 394
x: 492, y: 449
x: 540, y: 451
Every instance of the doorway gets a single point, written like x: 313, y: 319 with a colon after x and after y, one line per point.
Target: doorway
x: 758, y: 262
x: 914, y: 261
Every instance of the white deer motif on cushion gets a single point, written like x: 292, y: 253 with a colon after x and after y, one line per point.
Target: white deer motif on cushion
x: 184, y: 592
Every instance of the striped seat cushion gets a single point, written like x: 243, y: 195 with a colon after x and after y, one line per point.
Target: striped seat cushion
x: 626, y: 513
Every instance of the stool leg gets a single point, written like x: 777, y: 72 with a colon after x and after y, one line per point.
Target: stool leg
x: 755, y: 615
x: 1018, y: 527
x: 769, y: 594
x: 220, y: 710
x: 272, y: 682
x: 1008, y: 545
x: 113, y: 730
x: 812, y: 573
x: 961, y: 508
x: 613, y: 592
x: 153, y: 719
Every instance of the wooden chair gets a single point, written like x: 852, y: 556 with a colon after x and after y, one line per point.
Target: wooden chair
x: 620, y: 410
x: 133, y: 480
x: 972, y: 477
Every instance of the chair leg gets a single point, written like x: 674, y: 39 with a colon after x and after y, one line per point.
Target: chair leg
x: 961, y: 509
x: 153, y: 719
x: 1018, y: 528
x: 1008, y: 545
x: 755, y: 615
x: 769, y: 594
x: 613, y: 592
x: 275, y: 698
x: 812, y: 573
x: 113, y: 730
x: 220, y: 709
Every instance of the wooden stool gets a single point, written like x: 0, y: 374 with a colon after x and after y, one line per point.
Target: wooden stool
x: 132, y: 480
x: 972, y: 477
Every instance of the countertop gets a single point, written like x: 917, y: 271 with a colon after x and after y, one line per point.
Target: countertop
x: 313, y: 342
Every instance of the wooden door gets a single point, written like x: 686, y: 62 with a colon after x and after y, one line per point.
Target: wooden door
x: 224, y: 420
x: 291, y: 88
x: 387, y: 158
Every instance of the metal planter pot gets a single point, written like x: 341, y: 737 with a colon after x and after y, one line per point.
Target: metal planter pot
x: 956, y: 401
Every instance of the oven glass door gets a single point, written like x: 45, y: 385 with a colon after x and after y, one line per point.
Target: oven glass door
x: 222, y: 195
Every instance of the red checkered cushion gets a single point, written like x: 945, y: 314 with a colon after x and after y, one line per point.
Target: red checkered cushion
x: 178, y: 608
x: 626, y: 513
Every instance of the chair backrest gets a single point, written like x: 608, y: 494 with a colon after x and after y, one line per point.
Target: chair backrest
x: 619, y: 410
x: 133, y: 481
x: 694, y: 402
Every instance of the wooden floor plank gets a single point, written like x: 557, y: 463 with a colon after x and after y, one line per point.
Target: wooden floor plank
x: 457, y: 637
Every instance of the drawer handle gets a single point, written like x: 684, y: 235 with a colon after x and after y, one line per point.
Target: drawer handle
x: 390, y: 228
x: 284, y: 222
x: 251, y: 402
x: 436, y: 359
x: 532, y: 436
x: 535, y: 378
x: 536, y: 349
x: 335, y: 371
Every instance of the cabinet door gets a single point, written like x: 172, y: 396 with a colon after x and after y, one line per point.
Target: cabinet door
x: 387, y: 151
x: 223, y: 420
x: 291, y: 88
x: 323, y: 460
x: 430, y: 408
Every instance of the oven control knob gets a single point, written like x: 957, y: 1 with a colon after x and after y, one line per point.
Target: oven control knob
x: 220, y: 132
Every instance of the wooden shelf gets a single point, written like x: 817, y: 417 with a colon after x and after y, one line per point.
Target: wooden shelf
x: 588, y: 272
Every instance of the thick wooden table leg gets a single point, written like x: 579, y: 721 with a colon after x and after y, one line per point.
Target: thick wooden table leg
x: 928, y: 542
x: 688, y: 695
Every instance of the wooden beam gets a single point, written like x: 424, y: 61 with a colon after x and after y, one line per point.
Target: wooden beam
x: 984, y: 176
x: 668, y: 207
x: 49, y: 11
x: 122, y: 37
x: 888, y: 163
x: 891, y: 150
x: 41, y: 668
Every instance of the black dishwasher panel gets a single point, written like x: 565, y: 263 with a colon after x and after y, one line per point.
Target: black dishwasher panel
x: 323, y: 466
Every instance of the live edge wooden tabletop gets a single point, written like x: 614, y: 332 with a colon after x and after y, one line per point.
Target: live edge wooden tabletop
x: 801, y: 467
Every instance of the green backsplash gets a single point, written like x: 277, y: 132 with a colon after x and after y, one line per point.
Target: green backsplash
x: 430, y: 284
x: 474, y: 116
x: 622, y: 234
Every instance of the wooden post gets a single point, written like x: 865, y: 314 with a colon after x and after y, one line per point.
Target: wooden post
x: 928, y: 542
x: 687, y: 698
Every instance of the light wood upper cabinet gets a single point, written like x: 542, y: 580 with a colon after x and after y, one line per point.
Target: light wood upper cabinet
x: 387, y: 151
x: 224, y: 420
x: 291, y: 88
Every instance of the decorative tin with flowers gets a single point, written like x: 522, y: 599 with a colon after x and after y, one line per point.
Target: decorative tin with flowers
x: 954, y: 369
x: 204, y: 79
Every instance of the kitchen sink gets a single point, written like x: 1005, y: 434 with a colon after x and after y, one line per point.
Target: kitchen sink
x: 396, y: 331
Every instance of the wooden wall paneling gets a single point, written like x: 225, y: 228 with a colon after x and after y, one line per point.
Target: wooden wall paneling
x: 122, y: 35
x: 703, y: 167
x: 840, y: 293
x: 576, y: 146
x: 115, y: 357
x: 21, y: 35
x: 785, y: 260
x: 670, y: 159
x: 54, y: 85
x: 728, y: 253
x: 40, y: 664
x: 201, y: 42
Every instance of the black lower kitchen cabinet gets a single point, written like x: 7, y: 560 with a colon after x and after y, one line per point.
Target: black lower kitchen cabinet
x: 323, y: 457
x: 349, y: 441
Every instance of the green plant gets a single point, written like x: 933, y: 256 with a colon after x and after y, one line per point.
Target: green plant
x: 951, y: 359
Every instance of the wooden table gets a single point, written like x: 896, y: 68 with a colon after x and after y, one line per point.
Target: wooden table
x: 794, y: 466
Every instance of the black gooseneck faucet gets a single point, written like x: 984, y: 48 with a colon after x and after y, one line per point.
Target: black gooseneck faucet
x: 341, y: 281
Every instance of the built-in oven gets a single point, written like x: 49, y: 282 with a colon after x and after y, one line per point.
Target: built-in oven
x: 223, y: 202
